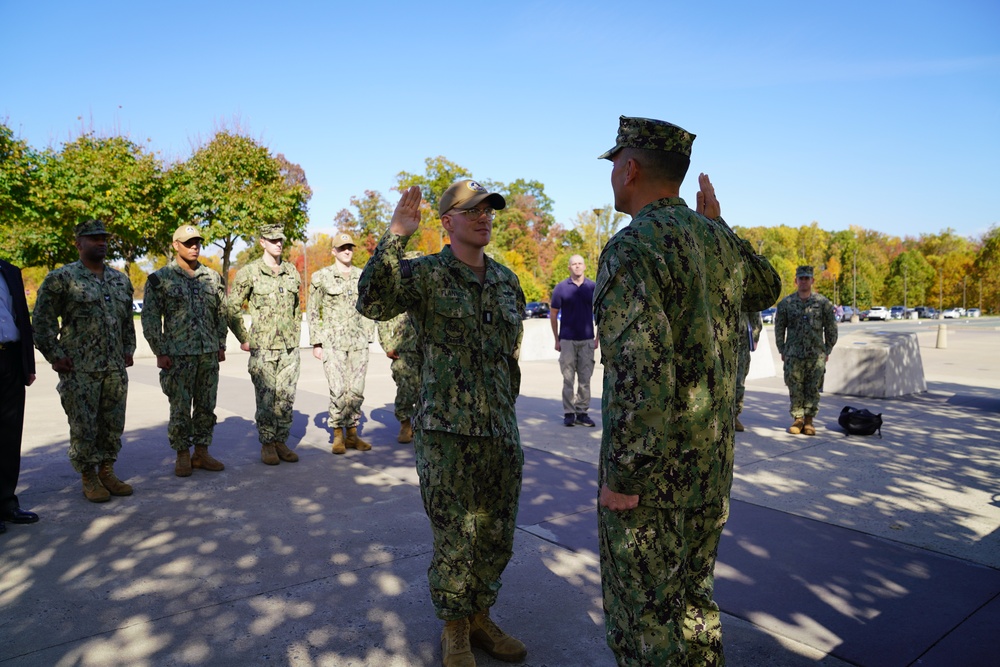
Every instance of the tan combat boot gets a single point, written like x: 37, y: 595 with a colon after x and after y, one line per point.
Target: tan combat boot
x: 405, y: 431
x: 284, y: 453
x: 484, y: 634
x: 183, y: 466
x: 339, y: 446
x: 808, y: 427
x: 268, y: 455
x: 109, y: 480
x: 739, y: 425
x: 354, y: 440
x: 796, y: 426
x: 202, y: 459
x: 455, y: 649
x: 92, y: 487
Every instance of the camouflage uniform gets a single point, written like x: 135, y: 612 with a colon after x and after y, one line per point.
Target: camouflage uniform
x: 344, y: 334
x: 273, y: 303
x: 805, y: 332
x: 184, y: 317
x: 670, y: 289
x: 97, y: 333
x: 467, y: 443
x: 750, y: 324
x: 399, y: 335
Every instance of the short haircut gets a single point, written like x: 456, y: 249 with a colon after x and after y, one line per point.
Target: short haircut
x: 661, y: 165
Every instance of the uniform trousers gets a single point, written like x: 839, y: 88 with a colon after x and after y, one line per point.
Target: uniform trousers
x: 657, y: 574
x: 94, y: 402
x: 345, y: 375
x: 191, y: 385
x: 406, y: 375
x: 804, y: 379
x: 275, y: 374
x: 11, y: 423
x: 576, y: 361
x: 470, y: 488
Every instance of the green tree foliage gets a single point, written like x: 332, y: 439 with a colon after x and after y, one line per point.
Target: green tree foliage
x: 232, y: 186
x: 18, y: 163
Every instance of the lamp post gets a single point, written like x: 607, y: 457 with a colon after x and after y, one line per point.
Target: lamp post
x: 854, y: 315
x: 597, y: 233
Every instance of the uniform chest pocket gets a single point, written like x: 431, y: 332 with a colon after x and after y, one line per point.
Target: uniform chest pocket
x: 86, y: 301
x: 455, y: 320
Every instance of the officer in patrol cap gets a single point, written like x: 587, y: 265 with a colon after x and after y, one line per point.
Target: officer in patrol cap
x: 184, y: 320
x: 670, y: 290
x: 84, y: 328
x: 805, y: 331
x: 269, y: 287
x: 340, y: 337
x: 467, y: 309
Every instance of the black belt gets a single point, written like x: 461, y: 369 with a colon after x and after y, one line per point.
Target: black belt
x: 10, y: 345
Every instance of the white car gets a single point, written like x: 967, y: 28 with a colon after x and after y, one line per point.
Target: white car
x: 878, y: 313
x: 951, y: 314
x: 973, y: 312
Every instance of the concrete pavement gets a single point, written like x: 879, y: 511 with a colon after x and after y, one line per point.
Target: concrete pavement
x: 840, y: 551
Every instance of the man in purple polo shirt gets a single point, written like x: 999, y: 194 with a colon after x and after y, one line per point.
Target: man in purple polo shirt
x: 576, y: 340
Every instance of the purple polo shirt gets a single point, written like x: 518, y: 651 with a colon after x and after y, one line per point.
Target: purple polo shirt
x: 576, y: 307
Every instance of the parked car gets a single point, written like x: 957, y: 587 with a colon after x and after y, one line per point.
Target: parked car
x: 878, y: 313
x: 897, y: 312
x: 536, y: 309
x: 848, y: 313
x: 973, y: 312
x: 767, y: 315
x: 925, y: 312
x: 136, y: 306
x: 951, y: 314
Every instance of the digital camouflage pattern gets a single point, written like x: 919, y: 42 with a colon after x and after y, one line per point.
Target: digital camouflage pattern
x: 805, y: 331
x: 97, y: 330
x: 752, y: 323
x: 805, y: 328
x: 470, y: 335
x: 668, y: 315
x: 184, y: 314
x: 470, y: 488
x: 184, y: 317
x: 400, y: 336
x: 272, y: 299
x: 670, y: 289
x: 275, y: 374
x: 191, y: 386
x: 334, y: 322
x: 345, y: 335
x: 660, y: 582
x: 650, y: 134
x: 90, y: 321
x: 467, y: 445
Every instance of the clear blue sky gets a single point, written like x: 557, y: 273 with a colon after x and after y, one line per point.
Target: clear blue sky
x: 879, y: 114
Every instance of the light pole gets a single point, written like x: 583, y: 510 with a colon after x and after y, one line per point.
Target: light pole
x: 906, y: 270
x: 597, y: 233
x: 854, y: 315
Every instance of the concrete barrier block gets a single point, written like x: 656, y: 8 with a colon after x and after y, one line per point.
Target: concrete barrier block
x: 879, y: 364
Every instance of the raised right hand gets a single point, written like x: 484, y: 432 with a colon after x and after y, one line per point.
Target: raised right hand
x: 406, y: 217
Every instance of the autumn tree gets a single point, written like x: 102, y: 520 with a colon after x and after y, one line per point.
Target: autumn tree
x: 232, y: 186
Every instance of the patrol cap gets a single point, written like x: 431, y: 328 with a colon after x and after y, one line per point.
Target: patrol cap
x: 468, y: 194
x: 804, y: 272
x: 90, y: 228
x: 657, y: 135
x: 342, y: 239
x: 185, y: 233
x: 271, y: 232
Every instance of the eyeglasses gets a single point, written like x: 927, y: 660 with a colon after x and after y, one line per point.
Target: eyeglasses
x: 345, y: 248
x: 476, y: 213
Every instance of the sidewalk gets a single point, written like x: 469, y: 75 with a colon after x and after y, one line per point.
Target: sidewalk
x: 840, y: 551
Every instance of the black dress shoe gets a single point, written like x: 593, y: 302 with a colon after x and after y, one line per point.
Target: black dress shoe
x: 18, y: 515
x: 3, y: 527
